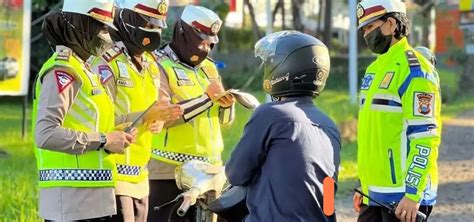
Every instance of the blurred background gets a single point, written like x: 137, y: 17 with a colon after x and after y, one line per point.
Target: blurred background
x: 444, y: 26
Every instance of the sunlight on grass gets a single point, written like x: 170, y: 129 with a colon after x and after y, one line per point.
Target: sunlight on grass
x: 18, y: 196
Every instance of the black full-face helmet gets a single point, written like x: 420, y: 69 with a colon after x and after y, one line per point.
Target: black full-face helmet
x: 295, y: 64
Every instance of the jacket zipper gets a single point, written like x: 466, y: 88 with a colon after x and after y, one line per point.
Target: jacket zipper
x: 392, y: 166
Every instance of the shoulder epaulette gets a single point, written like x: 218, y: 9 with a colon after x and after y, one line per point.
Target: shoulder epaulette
x: 412, y: 59
x: 64, y: 54
x: 112, y: 53
x: 211, y: 59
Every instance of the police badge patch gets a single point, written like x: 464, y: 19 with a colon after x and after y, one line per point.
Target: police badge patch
x: 367, y: 81
x: 123, y: 70
x: 180, y: 74
x: 63, y: 79
x: 423, y: 104
x: 105, y: 73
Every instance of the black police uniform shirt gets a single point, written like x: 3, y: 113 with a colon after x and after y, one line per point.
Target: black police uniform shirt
x: 287, y: 149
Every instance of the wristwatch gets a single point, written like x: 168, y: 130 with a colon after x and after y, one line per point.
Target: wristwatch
x: 103, y: 141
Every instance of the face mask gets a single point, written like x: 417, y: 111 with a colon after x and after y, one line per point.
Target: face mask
x: 145, y: 39
x: 148, y: 40
x: 186, y: 43
x: 196, y: 55
x: 378, y: 42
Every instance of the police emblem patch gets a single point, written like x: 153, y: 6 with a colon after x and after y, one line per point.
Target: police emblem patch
x: 163, y: 8
x: 215, y: 27
x: 360, y: 11
x: 387, y: 79
x: 63, y: 79
x: 194, y: 58
x: 367, y: 81
x: 423, y: 104
x: 105, y: 73
x: 180, y: 74
x: 123, y: 71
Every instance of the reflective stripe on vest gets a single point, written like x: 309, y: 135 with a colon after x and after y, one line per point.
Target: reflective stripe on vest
x: 199, y: 138
x: 75, y: 175
x: 90, y: 112
x: 135, y: 93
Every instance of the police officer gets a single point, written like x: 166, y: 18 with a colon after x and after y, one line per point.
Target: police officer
x: 131, y: 76
x: 399, y: 118
x: 72, y: 124
x: 289, y: 146
x: 190, y: 78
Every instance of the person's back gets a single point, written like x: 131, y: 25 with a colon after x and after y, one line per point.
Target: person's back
x: 302, y: 149
x: 288, y: 147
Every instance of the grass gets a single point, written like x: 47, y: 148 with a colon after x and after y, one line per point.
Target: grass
x: 18, y: 196
x: 18, y: 186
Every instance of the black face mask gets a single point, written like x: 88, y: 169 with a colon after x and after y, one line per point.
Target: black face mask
x: 146, y: 40
x: 378, y: 42
x: 185, y: 44
x: 130, y: 32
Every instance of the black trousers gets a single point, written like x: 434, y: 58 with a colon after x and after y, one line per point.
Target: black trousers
x: 163, y: 191
x: 380, y: 214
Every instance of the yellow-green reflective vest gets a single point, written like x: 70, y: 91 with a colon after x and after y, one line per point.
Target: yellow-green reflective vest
x: 91, y: 111
x: 199, y: 138
x: 136, y: 91
x: 399, y: 127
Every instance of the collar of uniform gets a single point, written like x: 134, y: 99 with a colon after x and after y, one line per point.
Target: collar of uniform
x: 398, y: 47
x: 172, y: 55
x: 123, y: 48
x: 59, y: 48
x: 298, y: 98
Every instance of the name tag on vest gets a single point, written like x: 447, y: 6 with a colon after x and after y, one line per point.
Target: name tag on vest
x: 185, y: 83
x: 123, y: 82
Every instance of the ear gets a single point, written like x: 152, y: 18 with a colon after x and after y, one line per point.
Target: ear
x: 393, y: 24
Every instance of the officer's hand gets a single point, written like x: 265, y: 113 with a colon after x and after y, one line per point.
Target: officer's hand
x: 226, y: 100
x: 118, y: 141
x: 406, y: 210
x: 357, y: 201
x: 163, y: 111
x: 156, y: 126
x: 215, y: 90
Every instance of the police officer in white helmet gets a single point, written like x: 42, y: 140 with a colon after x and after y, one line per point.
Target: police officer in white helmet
x: 129, y: 72
x: 189, y: 78
x: 73, y: 125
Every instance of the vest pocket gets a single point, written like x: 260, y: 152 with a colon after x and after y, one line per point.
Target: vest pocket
x: 392, y: 166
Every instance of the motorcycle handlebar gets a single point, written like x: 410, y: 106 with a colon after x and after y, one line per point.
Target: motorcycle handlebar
x: 184, y: 207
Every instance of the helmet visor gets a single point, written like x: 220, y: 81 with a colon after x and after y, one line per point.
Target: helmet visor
x: 266, y: 46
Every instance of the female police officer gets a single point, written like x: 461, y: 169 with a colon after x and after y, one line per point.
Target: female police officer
x: 131, y: 76
x: 72, y: 119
